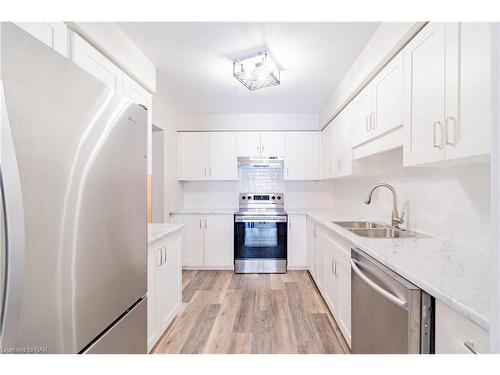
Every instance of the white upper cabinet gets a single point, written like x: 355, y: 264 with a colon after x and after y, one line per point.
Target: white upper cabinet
x: 53, y: 34
x: 272, y: 144
x: 207, y: 156
x: 248, y: 144
x: 136, y: 92
x: 222, y: 156
x: 362, y: 106
x: 327, y: 157
x: 193, y: 156
x: 302, y: 155
x: 447, y: 93
x: 387, y: 89
x: 468, y: 115
x: 257, y: 144
x: 342, y: 149
x: 87, y: 57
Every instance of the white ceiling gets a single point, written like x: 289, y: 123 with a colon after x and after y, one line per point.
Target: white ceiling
x: 194, y: 62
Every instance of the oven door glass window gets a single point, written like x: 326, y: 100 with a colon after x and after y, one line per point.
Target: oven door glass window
x: 260, y: 240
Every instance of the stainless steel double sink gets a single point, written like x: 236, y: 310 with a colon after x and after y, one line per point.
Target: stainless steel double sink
x: 372, y: 229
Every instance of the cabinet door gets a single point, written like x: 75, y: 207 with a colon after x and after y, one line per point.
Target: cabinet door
x: 223, y: 163
x: 302, y: 156
x: 192, y: 245
x: 314, y: 249
x: 331, y: 282
x: 342, y: 144
x: 272, y: 144
x: 468, y: 89
x: 297, y: 241
x: 193, y: 156
x: 327, y: 151
x: 248, y: 143
x: 424, y: 96
x: 152, y: 267
x: 388, y: 97
x: 343, y: 271
x: 169, y: 284
x: 134, y: 91
x: 219, y: 244
x: 88, y: 58
x: 53, y: 34
x: 362, y: 107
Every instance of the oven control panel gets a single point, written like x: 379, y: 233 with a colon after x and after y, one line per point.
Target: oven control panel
x: 275, y: 198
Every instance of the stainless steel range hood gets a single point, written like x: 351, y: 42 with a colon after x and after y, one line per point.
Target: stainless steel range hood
x: 260, y: 162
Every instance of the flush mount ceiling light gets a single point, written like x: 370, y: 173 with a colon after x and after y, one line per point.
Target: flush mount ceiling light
x: 257, y: 71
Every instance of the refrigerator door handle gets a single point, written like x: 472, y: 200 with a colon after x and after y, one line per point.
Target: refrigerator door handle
x: 13, y: 241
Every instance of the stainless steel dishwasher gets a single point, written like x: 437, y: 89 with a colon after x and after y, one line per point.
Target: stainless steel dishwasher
x: 389, y: 314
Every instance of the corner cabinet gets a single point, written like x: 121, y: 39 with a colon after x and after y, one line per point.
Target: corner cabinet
x: 205, y: 156
x: 447, y: 93
x: 164, y: 285
x: 208, y: 241
x: 302, y: 155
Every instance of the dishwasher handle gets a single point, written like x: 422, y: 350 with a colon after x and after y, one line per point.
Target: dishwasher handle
x: 391, y: 297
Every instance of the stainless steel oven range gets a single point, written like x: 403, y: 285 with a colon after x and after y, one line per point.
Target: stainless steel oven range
x: 260, y: 234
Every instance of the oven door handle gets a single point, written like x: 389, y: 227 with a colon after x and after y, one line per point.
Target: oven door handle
x: 391, y: 297
x: 260, y: 219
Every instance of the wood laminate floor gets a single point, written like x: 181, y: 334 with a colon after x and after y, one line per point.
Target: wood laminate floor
x: 223, y: 312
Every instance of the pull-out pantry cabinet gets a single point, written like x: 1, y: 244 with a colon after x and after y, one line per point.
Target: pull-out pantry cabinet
x: 447, y: 92
x: 208, y: 240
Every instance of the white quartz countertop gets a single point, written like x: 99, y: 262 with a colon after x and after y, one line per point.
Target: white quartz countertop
x: 157, y: 231
x: 453, y: 273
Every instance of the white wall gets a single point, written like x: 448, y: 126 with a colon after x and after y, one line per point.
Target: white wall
x: 110, y: 40
x: 249, y: 121
x: 164, y: 118
x: 385, y: 43
x: 446, y: 202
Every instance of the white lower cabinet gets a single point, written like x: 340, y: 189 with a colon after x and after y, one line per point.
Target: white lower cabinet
x: 297, y: 241
x: 209, y: 240
x: 330, y: 268
x: 313, y: 233
x: 164, y: 285
x: 455, y: 334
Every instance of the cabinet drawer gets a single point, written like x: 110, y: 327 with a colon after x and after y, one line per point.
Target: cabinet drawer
x: 453, y: 330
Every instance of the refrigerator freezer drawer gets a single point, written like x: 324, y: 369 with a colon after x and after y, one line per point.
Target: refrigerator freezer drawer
x: 127, y: 336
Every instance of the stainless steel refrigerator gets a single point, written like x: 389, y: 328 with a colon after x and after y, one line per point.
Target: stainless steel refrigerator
x: 73, y: 212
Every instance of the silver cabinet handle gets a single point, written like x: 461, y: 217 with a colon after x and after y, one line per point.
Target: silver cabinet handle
x: 434, y: 137
x: 205, y: 172
x: 450, y: 140
x: 159, y: 257
x: 333, y: 266
x: 391, y: 297
x: 287, y: 171
x: 200, y: 223
x: 165, y: 251
x: 206, y: 223
x: 258, y: 147
x: 471, y: 347
x: 210, y: 172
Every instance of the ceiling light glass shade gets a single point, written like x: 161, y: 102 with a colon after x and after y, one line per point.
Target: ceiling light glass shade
x: 257, y: 71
